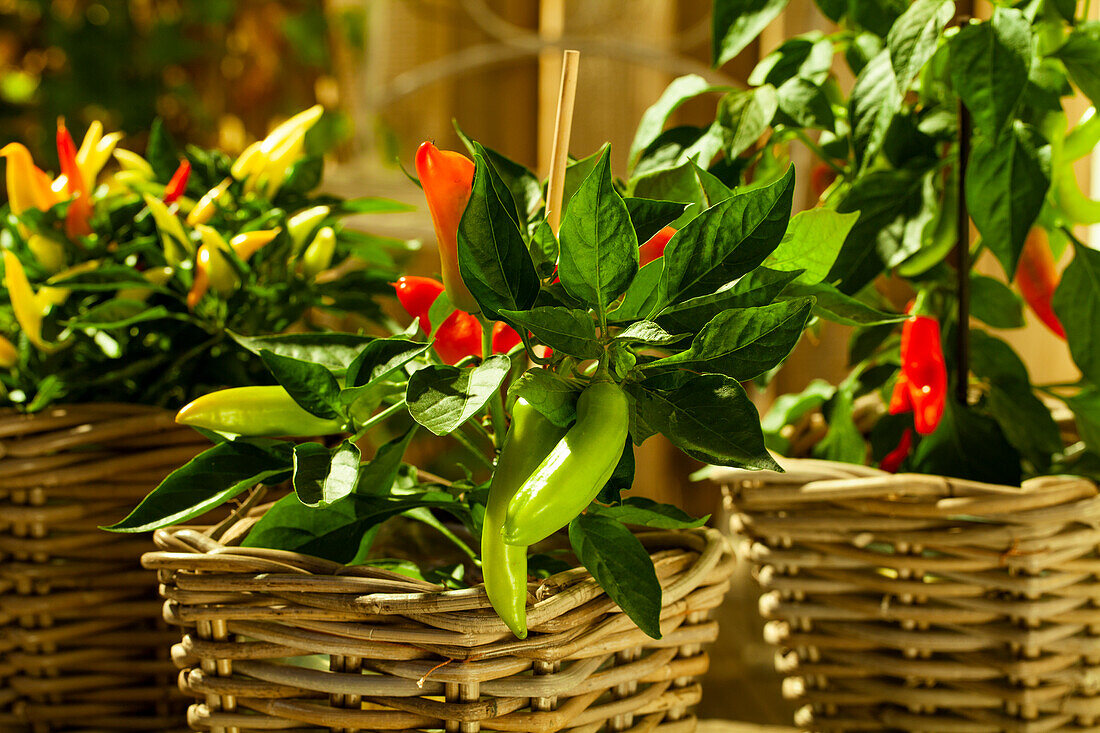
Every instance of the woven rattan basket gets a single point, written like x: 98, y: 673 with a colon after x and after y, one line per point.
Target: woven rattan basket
x: 81, y: 639
x: 921, y: 603
x: 280, y: 641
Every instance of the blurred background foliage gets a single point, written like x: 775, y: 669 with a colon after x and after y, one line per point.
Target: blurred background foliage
x: 217, y: 71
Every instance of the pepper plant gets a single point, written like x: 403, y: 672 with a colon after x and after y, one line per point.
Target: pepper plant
x: 128, y: 285
x: 607, y: 352
x: 950, y: 119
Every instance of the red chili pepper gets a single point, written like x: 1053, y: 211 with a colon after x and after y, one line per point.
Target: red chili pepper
x: 458, y: 337
x: 1037, y: 277
x: 80, y: 210
x: 655, y: 247
x: 177, y: 184
x: 822, y: 176
x: 416, y: 295
x: 447, y: 178
x: 922, y: 383
x: 505, y: 338
x: 892, y: 461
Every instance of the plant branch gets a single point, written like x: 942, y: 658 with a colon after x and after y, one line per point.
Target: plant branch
x: 376, y: 419
x: 819, y: 151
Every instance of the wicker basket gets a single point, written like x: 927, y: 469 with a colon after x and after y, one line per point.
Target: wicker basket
x: 81, y: 640
x: 280, y: 641
x: 922, y: 603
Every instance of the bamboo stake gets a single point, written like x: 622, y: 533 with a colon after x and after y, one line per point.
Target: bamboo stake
x: 563, y: 128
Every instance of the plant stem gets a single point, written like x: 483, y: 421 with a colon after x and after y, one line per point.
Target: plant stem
x: 819, y: 151
x: 375, y: 419
x: 462, y: 439
x: 496, y: 402
x: 962, y: 266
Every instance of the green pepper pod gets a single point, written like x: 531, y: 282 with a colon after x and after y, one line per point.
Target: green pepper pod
x: 571, y: 476
x: 530, y: 438
x: 318, y: 256
x: 256, y: 412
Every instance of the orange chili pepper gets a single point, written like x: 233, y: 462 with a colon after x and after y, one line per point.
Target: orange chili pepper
x: 447, y: 178
x: 1037, y: 277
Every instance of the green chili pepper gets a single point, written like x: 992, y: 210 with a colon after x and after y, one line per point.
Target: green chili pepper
x: 318, y: 255
x: 530, y: 438
x: 303, y: 224
x: 573, y: 473
x: 256, y: 412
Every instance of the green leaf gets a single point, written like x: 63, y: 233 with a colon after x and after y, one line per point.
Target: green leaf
x: 835, y: 306
x: 743, y: 343
x: 708, y: 416
x: 1077, y: 305
x: 877, y: 16
x: 737, y: 22
x: 642, y: 512
x: 726, y: 241
x: 812, y: 243
x: 989, y: 67
x: 161, y: 151
x: 338, y: 532
x: 804, y: 104
x: 334, y: 351
x: 993, y: 302
x: 548, y: 393
x: 562, y: 329
x: 120, y: 313
x: 649, y: 216
x: 1006, y: 184
x: 915, y: 36
x: 967, y: 445
x: 207, y: 481
x: 809, y: 56
x: 441, y: 398
x: 687, y: 183
x: 1080, y: 53
x: 371, y: 205
x: 599, y: 250
x: 544, y: 250
x: 875, y: 100
x: 381, y: 359
x: 322, y: 477
x: 311, y: 385
x: 377, y: 476
x: 653, y: 119
x: 492, y: 254
x: 105, y: 278
x: 522, y: 184
x: 1086, y: 412
x: 788, y: 409
x: 622, y: 478
x: 745, y: 115
x: 641, y: 297
x: 647, y: 333
x: 843, y: 442
x: 759, y: 287
x: 891, y: 223
x: 621, y: 566
x: 578, y: 170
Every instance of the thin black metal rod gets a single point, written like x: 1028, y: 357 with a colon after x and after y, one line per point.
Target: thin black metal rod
x: 962, y: 265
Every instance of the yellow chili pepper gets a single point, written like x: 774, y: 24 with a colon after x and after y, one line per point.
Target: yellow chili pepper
x: 28, y: 186
x: 267, y: 161
x: 95, y: 150
x: 28, y: 308
x: 302, y: 224
x: 207, y: 205
x: 49, y: 253
x: 249, y: 243
x: 212, y: 269
x: 9, y: 355
x: 48, y: 296
x: 177, y: 245
x: 155, y: 276
x: 131, y: 161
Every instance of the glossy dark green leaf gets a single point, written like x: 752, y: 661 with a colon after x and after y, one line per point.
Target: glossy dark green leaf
x: 648, y: 333
x: 708, y: 416
x: 381, y: 359
x: 492, y: 254
x: 548, y: 393
x: 989, y: 65
x: 877, y: 16
x: 641, y: 297
x: 441, y: 398
x: 120, y: 313
x: 544, y: 250
x: 622, y: 478
x: 875, y: 100
x: 161, y: 151
x: 994, y: 303
x: 726, y: 241
x: 569, y: 331
x: 736, y: 23
x: 649, y: 216
x: 1077, y: 305
x: 379, y: 474
x: 759, y: 287
x: 915, y: 36
x: 653, y: 119
x: 843, y: 442
x: 743, y: 343
x: 1086, y: 412
x: 311, y: 385
x: 809, y: 56
x: 967, y: 445
x: 207, y: 481
x: 687, y: 184
x: 803, y: 103
x: 745, y: 115
x: 522, y: 184
x: 621, y: 566
x: 1080, y: 53
x: 334, y: 351
x: 1006, y: 183
x: 599, y: 250
x: 838, y: 307
x: 321, y: 476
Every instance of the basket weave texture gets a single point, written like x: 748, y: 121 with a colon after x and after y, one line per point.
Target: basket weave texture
x: 81, y: 638
x: 923, y: 603
x: 280, y: 641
